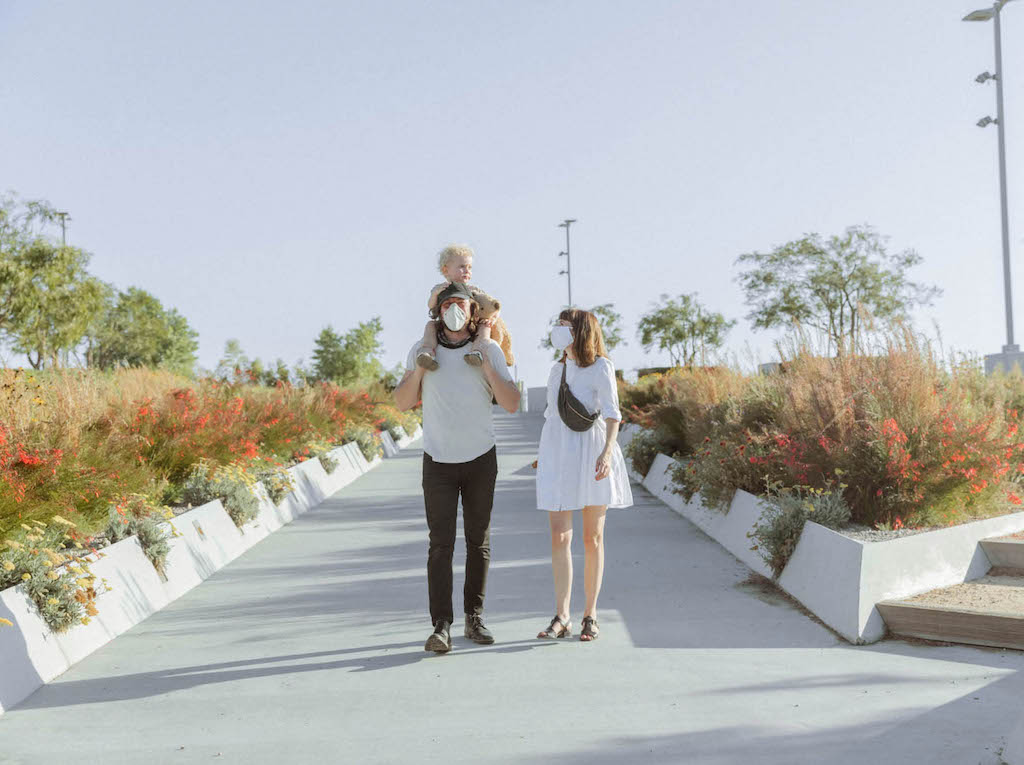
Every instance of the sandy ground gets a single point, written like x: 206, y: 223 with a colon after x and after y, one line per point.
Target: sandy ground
x: 999, y: 592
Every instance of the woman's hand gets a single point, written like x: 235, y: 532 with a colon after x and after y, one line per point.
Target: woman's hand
x: 604, y: 466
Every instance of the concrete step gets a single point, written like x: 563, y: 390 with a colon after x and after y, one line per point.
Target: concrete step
x: 987, y: 611
x: 1007, y: 552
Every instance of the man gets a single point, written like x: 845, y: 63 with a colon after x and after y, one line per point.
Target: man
x: 459, y: 458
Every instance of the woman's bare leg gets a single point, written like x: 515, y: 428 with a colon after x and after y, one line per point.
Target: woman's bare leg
x: 593, y: 547
x: 561, y: 560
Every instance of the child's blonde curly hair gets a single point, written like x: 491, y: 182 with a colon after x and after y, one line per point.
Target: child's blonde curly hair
x: 452, y: 251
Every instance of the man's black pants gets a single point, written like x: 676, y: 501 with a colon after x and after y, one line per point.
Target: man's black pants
x: 442, y: 484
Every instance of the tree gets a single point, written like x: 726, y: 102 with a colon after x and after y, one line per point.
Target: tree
x: 52, y: 301
x: 47, y: 298
x: 136, y: 330
x: 827, y: 283
x: 611, y: 327
x: 233, y: 362
x: 350, y: 358
x: 684, y: 328
x: 328, y: 355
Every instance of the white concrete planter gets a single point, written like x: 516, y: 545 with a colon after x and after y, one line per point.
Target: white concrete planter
x: 390, y: 447
x: 205, y: 540
x: 837, y: 578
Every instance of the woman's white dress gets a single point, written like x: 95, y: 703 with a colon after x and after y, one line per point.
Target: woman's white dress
x: 567, y: 460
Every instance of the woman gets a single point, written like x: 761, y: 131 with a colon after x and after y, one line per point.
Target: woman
x: 580, y: 470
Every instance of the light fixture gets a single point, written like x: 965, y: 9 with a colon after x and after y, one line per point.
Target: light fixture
x: 986, y: 121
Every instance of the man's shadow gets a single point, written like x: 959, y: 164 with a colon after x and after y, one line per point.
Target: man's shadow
x: 158, y: 682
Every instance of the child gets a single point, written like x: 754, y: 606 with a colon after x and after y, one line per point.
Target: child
x: 456, y: 265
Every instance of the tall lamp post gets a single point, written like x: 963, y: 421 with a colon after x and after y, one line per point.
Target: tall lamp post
x: 1011, y: 355
x: 568, y: 258
x: 64, y: 218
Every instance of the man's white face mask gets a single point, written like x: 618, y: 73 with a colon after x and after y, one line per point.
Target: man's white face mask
x: 454, y: 317
x: 561, y: 337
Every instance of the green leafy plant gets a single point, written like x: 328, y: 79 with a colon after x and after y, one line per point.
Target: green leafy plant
x: 368, y: 440
x: 277, y: 481
x: 49, y: 563
x: 642, y: 450
x: 786, y: 511
x: 136, y: 515
x: 231, y: 484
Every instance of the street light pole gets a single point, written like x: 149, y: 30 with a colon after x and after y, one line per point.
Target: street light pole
x: 63, y: 228
x: 1001, y: 125
x: 1011, y: 355
x: 568, y: 257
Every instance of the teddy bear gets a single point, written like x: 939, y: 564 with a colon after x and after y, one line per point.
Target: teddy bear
x: 499, y: 332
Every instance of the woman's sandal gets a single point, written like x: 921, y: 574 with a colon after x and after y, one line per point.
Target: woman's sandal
x: 553, y: 634
x: 590, y: 630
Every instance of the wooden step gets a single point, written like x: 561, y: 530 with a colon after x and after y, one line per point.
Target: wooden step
x: 1005, y: 552
x: 987, y: 611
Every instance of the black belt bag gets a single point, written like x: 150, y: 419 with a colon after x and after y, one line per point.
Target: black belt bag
x: 573, y: 413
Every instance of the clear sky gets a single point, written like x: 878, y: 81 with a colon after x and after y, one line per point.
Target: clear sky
x: 268, y: 168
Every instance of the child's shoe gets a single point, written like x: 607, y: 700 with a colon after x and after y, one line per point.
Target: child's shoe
x: 474, y: 359
x: 425, y: 358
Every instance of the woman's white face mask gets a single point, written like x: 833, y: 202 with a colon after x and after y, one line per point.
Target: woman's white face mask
x: 454, y: 317
x: 561, y: 337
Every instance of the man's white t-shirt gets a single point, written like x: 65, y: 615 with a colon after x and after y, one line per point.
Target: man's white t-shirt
x: 458, y: 422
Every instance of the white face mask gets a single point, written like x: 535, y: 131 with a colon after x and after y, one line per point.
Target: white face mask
x: 454, y: 317
x: 561, y: 337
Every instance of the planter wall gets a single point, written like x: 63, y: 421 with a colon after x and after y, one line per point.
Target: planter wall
x: 837, y: 578
x: 205, y: 539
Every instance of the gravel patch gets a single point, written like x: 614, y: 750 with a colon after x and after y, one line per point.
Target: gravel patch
x: 868, y: 534
x: 996, y: 593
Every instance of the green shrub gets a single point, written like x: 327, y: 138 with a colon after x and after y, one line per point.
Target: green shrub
x: 786, y: 511
x: 40, y: 558
x: 231, y: 484
x: 277, y: 482
x: 642, y: 450
x: 327, y: 462
x: 135, y: 515
x: 368, y: 440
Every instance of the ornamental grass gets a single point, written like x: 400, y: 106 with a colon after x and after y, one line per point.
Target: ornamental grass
x: 915, y: 440
x: 76, y: 442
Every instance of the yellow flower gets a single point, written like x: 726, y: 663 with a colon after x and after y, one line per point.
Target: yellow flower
x: 65, y: 521
x: 27, y: 527
x: 53, y: 576
x: 48, y: 564
x: 6, y: 623
x: 8, y: 566
x: 86, y: 620
x: 52, y: 602
x: 14, y: 545
x: 25, y: 577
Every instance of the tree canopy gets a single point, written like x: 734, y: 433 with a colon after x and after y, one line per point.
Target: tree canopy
x: 349, y: 358
x: 135, y: 330
x: 831, y: 283
x: 684, y: 328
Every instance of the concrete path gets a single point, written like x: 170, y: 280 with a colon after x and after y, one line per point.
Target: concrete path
x: 309, y: 649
